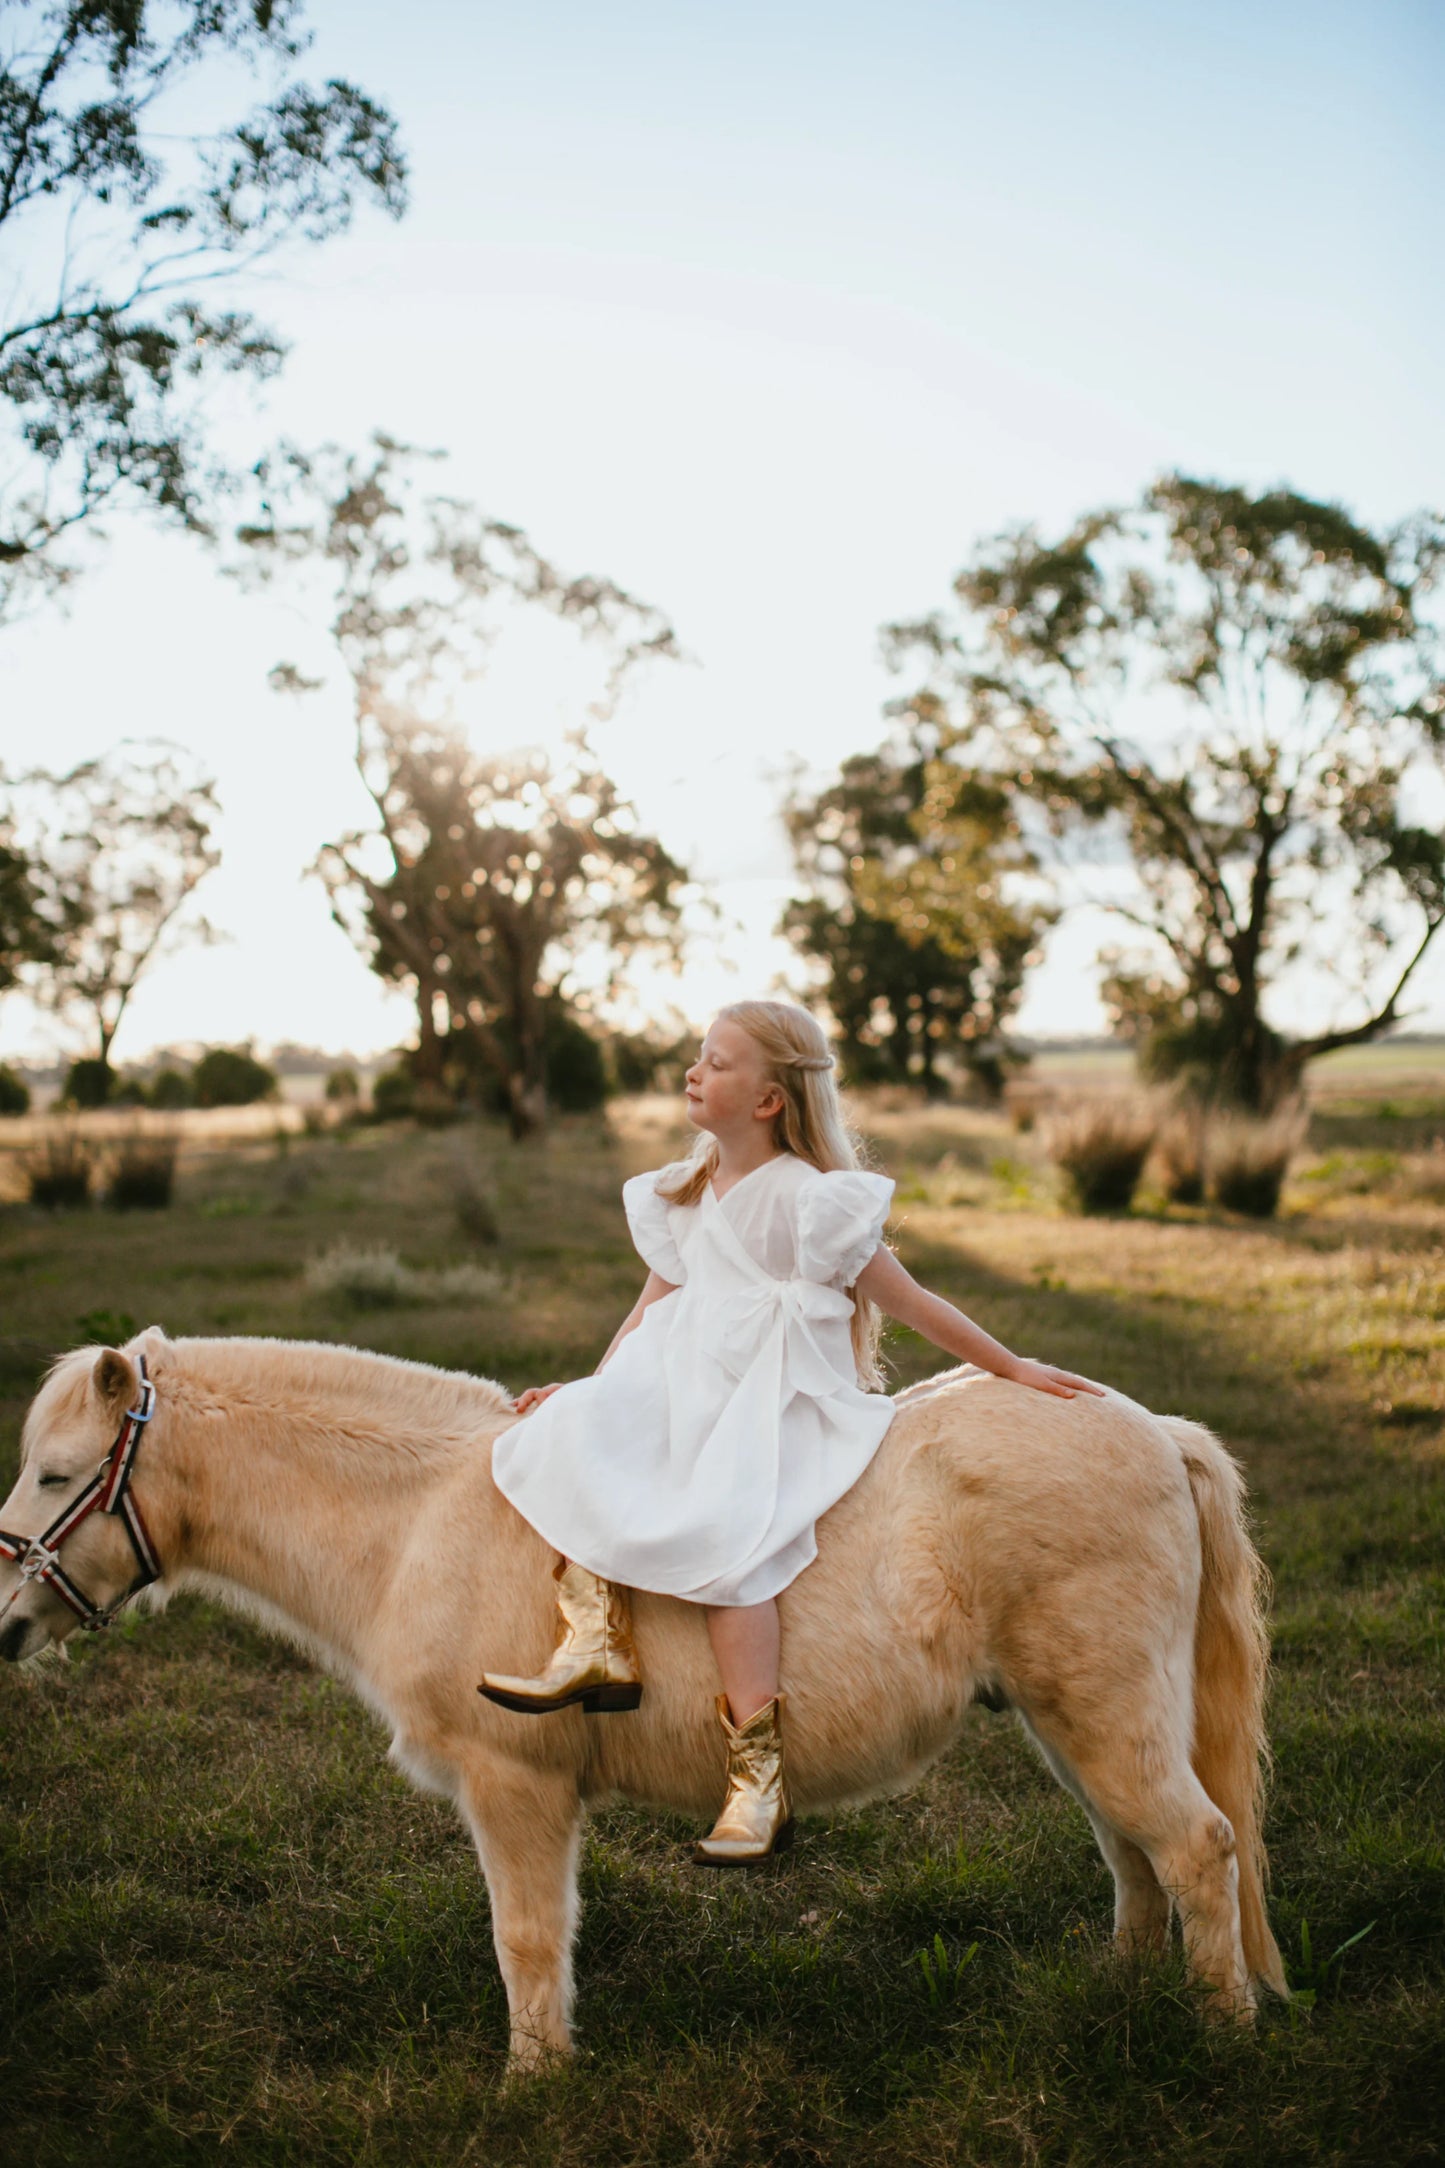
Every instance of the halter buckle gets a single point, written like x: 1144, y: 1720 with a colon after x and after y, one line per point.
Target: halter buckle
x: 37, y: 1561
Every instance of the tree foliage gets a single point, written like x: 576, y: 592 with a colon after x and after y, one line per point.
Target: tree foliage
x: 32, y: 925
x: 914, y: 910
x: 121, y: 218
x: 122, y: 844
x: 231, y: 1076
x: 1247, y: 691
x: 487, y: 877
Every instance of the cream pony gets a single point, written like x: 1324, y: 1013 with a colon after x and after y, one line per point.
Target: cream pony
x: 1087, y: 1561
x: 737, y: 1402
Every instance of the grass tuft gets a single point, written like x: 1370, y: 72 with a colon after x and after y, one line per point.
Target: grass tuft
x: 1100, y: 1147
x: 1250, y: 1159
x: 474, y: 1197
x: 58, y: 1171
x: 143, y: 1172
x: 1182, y: 1151
x: 376, y: 1279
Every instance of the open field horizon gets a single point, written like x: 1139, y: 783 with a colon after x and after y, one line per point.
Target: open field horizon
x: 233, y: 1930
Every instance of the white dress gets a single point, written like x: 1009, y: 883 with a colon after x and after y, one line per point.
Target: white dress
x: 697, y: 1461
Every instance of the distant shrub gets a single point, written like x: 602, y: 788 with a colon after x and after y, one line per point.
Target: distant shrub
x: 129, y: 1091
x: 227, y: 1076
x: 343, y: 1088
x: 59, y: 1171
x: 170, y: 1090
x: 89, y: 1082
x: 143, y: 1173
x: 434, y: 1105
x: 1100, y: 1147
x: 393, y: 1094
x: 14, y: 1092
x: 1182, y: 1147
x: 376, y: 1279
x: 1250, y: 1159
x: 576, y: 1065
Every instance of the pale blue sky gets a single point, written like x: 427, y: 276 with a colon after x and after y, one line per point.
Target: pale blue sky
x: 770, y: 313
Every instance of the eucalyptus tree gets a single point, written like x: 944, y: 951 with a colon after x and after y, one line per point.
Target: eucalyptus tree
x: 1247, y: 690
x: 493, y: 885
x: 919, y: 903
x: 120, y: 845
x: 32, y: 930
x: 140, y: 177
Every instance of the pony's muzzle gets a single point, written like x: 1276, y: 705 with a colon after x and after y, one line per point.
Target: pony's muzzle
x: 21, y: 1637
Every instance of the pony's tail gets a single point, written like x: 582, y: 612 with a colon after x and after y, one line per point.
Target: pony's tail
x: 1231, y: 1665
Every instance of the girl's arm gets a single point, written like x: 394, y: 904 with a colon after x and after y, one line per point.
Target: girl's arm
x: 884, y: 1281
x: 653, y: 1291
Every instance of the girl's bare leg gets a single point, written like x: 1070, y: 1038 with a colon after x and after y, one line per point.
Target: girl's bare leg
x: 745, y: 1642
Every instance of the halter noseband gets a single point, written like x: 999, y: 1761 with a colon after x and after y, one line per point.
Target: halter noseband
x: 38, y: 1557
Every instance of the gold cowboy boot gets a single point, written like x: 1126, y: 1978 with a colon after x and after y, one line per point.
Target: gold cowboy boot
x: 594, y: 1661
x: 757, y: 1815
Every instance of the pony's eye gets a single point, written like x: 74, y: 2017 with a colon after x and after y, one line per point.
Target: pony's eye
x: 48, y: 1482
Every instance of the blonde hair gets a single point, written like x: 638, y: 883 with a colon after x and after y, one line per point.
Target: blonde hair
x: 811, y: 1124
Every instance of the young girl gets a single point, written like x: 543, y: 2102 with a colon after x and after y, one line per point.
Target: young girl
x: 739, y: 1399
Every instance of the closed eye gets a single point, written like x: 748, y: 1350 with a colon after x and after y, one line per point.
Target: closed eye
x: 48, y: 1482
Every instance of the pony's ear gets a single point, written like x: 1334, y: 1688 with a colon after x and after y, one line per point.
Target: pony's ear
x: 153, y: 1343
x: 115, y: 1379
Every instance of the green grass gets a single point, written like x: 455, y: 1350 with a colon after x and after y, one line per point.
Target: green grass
x: 231, y: 1932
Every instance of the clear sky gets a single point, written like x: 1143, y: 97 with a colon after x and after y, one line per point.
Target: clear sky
x: 770, y: 312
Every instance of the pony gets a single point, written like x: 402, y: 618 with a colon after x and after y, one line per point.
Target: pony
x: 1083, y: 1561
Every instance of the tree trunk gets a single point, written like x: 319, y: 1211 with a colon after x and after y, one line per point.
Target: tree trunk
x: 429, y: 1059
x: 527, y: 1077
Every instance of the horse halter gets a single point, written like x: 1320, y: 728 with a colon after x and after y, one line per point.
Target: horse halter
x: 109, y: 1490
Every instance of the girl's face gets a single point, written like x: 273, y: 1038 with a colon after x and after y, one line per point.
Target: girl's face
x: 728, y: 1087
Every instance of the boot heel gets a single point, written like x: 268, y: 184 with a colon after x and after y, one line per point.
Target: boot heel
x: 605, y: 1700
x: 593, y: 1663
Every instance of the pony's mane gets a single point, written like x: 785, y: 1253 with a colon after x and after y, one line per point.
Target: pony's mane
x: 416, y: 1402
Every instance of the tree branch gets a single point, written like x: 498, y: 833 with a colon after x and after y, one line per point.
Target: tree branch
x: 1360, y: 1034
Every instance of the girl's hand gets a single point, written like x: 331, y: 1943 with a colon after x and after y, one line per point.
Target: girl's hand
x: 1045, y: 1379
x: 534, y: 1396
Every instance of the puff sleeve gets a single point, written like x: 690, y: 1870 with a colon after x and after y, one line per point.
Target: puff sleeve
x: 648, y: 1225
x: 841, y: 1217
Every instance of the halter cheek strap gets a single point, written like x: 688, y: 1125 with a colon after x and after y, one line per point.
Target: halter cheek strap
x: 108, y: 1491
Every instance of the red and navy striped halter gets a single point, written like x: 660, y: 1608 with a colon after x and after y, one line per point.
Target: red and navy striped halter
x: 110, y: 1492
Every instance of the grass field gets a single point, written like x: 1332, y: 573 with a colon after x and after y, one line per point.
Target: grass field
x: 231, y: 1933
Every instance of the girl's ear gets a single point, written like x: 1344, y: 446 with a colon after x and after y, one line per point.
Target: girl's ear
x: 770, y: 1104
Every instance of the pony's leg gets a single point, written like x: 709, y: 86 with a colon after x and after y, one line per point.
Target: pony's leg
x: 1132, y: 1765
x: 1141, y: 1904
x: 527, y: 1825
